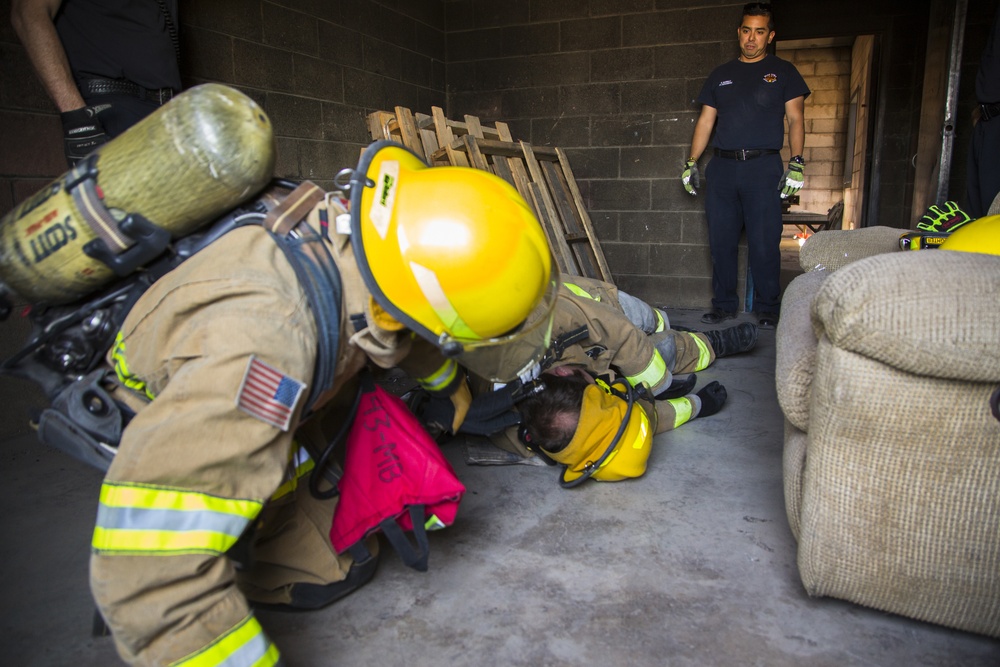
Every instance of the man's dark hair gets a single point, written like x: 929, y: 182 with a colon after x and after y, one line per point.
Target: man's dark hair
x: 759, y: 9
x: 550, y: 417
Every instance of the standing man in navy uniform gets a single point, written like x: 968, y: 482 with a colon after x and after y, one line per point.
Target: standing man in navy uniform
x: 747, y: 101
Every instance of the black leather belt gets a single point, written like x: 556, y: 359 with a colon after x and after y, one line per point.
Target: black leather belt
x: 989, y: 111
x: 124, y: 87
x: 744, y: 154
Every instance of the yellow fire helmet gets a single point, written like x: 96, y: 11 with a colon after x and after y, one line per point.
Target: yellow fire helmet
x: 613, y: 438
x: 980, y: 235
x: 456, y: 256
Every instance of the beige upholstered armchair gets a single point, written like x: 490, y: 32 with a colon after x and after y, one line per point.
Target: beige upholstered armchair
x: 886, y: 364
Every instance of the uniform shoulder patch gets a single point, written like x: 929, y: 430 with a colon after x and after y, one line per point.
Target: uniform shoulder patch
x: 268, y: 394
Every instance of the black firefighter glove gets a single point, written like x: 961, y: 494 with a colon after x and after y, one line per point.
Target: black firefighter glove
x: 713, y: 397
x: 82, y: 132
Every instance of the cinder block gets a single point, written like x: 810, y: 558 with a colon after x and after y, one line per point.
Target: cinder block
x: 288, y: 30
x: 590, y: 34
x: 382, y: 58
x: 594, y: 163
x: 626, y: 258
x: 319, y: 79
x: 210, y: 55
x: 623, y: 131
x: 32, y: 145
x: 596, y: 99
x: 563, y: 131
x: 622, y: 64
x: 652, y: 227
x: 648, y: 161
x: 558, y: 69
x: 343, y: 122
x: 618, y: 195
x: 531, y: 39
x: 530, y: 102
x: 648, y: 96
x: 295, y: 116
x: 340, y: 45
x: 260, y: 66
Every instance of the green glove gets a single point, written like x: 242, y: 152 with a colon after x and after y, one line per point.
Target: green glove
x: 945, y: 218
x: 793, y: 178
x: 690, y: 177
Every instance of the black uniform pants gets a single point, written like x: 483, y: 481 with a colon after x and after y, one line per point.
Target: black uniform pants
x: 743, y: 194
x: 984, y: 167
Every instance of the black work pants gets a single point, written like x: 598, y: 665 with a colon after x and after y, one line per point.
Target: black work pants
x: 984, y: 167
x: 743, y: 194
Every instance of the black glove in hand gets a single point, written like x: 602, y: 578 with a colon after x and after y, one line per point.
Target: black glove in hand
x: 82, y: 132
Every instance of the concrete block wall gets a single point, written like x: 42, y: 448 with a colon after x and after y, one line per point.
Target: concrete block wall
x: 317, y: 69
x: 614, y: 84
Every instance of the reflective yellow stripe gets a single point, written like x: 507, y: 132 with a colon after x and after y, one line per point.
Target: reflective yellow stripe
x: 704, y: 352
x: 682, y: 410
x: 440, y: 378
x: 653, y: 374
x: 579, y: 291
x: 660, y: 324
x: 122, y: 371
x: 434, y: 523
x: 301, y: 465
x: 246, y: 645
x: 152, y: 520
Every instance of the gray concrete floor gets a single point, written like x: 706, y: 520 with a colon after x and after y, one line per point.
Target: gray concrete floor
x: 692, y: 564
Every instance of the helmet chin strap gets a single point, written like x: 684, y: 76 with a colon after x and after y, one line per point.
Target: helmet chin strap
x: 629, y: 396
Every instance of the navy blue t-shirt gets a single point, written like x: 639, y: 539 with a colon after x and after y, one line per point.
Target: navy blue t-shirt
x: 119, y: 39
x: 750, y: 101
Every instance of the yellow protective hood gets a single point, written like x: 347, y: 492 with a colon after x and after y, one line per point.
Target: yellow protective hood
x: 601, y: 415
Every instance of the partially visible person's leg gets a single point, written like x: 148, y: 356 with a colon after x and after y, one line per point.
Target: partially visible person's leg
x: 725, y: 222
x: 647, y: 318
x: 762, y: 211
x: 984, y: 167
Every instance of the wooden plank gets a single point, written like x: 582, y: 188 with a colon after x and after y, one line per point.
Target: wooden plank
x: 584, y: 218
x: 572, y: 231
x: 408, y: 130
x: 476, y: 158
x: 378, y: 124
x: 445, y: 137
x: 560, y: 249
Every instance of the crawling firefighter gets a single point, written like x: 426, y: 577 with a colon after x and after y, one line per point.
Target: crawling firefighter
x: 229, y: 372
x: 601, y: 331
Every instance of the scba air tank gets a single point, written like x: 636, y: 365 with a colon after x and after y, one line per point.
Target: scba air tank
x: 196, y: 157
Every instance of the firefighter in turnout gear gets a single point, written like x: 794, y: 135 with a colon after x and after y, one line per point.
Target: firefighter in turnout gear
x: 240, y: 365
x: 623, y: 337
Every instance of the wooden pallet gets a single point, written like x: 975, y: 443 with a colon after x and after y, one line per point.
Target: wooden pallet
x: 541, y: 174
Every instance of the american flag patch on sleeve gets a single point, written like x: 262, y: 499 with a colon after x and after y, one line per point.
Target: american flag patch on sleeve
x: 268, y: 394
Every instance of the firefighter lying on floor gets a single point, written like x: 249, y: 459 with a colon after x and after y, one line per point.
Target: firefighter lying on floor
x: 606, y: 332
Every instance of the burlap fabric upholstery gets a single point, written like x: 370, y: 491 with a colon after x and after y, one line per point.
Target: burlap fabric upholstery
x: 832, y: 249
x: 892, y: 472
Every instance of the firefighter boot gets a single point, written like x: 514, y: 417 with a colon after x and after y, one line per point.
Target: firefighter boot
x: 734, y: 340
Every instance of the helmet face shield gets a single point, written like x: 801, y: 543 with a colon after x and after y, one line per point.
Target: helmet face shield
x: 504, y: 358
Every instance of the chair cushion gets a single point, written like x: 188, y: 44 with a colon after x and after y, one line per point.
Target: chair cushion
x: 831, y: 249
x: 934, y: 313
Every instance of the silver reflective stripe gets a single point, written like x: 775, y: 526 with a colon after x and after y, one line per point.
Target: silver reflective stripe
x: 132, y: 518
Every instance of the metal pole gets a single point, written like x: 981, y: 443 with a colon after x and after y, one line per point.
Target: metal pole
x: 951, y: 101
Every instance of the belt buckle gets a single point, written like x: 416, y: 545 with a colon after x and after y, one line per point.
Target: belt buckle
x: 164, y: 95
x: 742, y: 155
